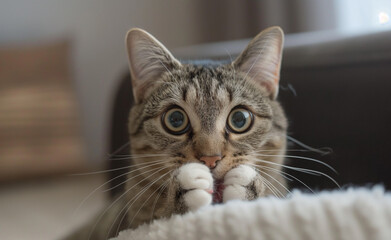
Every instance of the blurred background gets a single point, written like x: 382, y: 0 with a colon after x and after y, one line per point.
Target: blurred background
x: 63, y: 65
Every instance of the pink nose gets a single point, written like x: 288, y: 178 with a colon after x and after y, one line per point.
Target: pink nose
x: 210, y: 161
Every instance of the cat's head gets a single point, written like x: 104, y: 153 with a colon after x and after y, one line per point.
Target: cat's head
x: 219, y: 114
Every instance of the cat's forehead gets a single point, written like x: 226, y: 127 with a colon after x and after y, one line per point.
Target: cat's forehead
x: 206, y: 93
x: 217, y: 84
x: 208, y: 88
x: 207, y: 81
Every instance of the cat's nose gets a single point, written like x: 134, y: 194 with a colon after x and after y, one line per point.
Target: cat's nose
x: 210, y: 161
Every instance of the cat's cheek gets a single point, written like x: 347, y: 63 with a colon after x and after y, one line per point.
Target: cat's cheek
x: 197, y: 198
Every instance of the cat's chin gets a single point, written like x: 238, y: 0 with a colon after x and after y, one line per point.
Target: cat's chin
x: 218, y: 173
x: 218, y: 189
x: 218, y: 184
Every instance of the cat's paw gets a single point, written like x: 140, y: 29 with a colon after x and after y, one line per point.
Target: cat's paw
x: 197, y: 180
x: 236, y: 182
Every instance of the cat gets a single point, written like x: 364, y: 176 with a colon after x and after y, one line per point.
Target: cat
x: 201, y: 133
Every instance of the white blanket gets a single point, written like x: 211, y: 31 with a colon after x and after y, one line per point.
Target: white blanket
x: 351, y: 214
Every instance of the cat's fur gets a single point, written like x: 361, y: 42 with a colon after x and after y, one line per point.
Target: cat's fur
x: 169, y: 174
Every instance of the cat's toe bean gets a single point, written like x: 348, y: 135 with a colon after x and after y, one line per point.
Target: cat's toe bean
x: 242, y: 175
x: 195, y: 199
x: 195, y: 176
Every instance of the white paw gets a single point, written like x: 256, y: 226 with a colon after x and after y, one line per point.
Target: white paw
x: 235, y: 182
x: 197, y: 179
x: 197, y: 198
x: 195, y: 176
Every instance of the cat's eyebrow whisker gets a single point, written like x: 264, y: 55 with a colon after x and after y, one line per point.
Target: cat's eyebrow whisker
x: 284, y: 174
x: 299, y: 157
x: 133, y: 200
x: 304, y: 170
x: 230, y: 56
x: 116, y: 200
x: 96, y: 189
x: 117, y: 169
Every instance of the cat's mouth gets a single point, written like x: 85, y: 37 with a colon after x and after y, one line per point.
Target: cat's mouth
x: 218, y: 189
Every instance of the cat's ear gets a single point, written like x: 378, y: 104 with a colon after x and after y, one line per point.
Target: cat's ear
x: 261, y: 60
x: 148, y: 60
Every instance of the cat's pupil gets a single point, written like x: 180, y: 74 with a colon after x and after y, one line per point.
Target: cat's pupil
x: 239, y: 119
x: 176, y: 119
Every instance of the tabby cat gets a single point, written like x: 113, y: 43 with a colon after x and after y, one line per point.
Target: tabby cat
x: 202, y: 133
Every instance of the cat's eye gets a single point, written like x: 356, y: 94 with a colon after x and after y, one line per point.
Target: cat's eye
x: 175, y: 121
x: 240, y: 120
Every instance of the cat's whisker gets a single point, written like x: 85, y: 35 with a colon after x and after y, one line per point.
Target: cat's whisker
x: 141, y: 173
x: 284, y: 174
x: 117, y: 169
x: 124, y: 157
x: 116, y: 200
x: 145, y: 163
x: 303, y: 145
x: 133, y: 200
x: 157, y: 198
x: 229, y: 54
x: 266, y: 182
x: 96, y: 189
x: 120, y: 148
x: 280, y: 194
x: 132, y: 157
x: 288, y: 150
x: 270, y: 186
x: 145, y: 201
x: 278, y: 172
x: 282, y: 185
x: 298, y: 157
x: 262, y: 172
x: 304, y: 170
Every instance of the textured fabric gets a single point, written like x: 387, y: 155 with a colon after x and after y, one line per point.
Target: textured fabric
x: 345, y: 214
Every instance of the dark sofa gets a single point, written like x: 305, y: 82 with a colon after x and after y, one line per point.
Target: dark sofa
x: 336, y: 91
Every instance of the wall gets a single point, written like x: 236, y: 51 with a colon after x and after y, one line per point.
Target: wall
x: 97, y: 29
